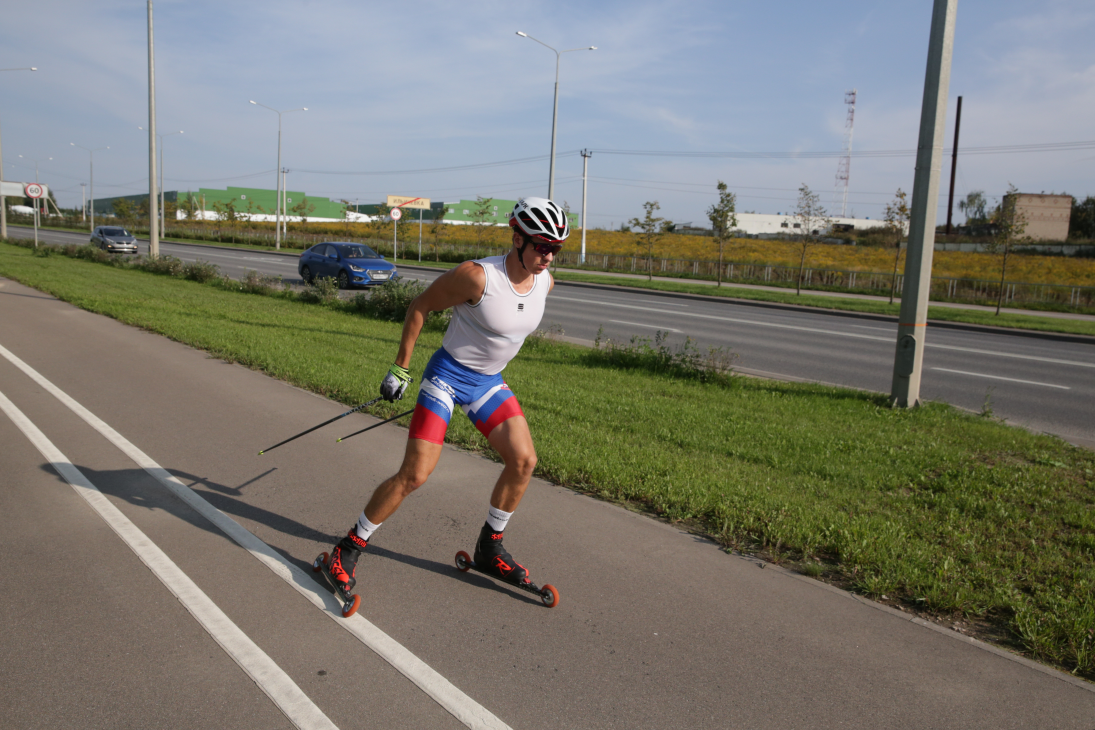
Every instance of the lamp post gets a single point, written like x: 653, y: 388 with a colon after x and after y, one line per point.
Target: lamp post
x: 277, y: 234
x: 3, y: 208
x: 91, y: 153
x: 555, y: 108
x: 163, y: 216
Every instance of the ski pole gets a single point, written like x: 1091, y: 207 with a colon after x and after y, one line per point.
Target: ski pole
x: 302, y: 433
x: 370, y: 428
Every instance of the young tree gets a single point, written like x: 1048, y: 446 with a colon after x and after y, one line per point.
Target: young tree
x: 482, y: 216
x: 974, y: 207
x: 811, y: 219
x: 226, y: 212
x: 303, y: 209
x: 1011, y: 225
x: 437, y: 229
x: 651, y: 229
x: 125, y: 210
x: 189, y: 205
x: 723, y: 220
x: 896, y: 216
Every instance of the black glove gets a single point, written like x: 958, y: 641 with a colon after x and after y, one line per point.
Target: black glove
x: 394, y: 383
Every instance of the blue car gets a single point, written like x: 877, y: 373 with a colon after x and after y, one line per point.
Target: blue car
x: 351, y: 264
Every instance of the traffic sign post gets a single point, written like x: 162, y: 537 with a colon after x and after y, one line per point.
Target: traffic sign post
x: 395, y: 214
x: 34, y: 192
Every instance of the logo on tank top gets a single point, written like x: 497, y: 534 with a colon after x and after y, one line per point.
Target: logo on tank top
x: 520, y: 306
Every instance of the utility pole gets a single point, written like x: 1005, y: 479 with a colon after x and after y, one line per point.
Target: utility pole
x: 909, y: 358
x: 83, y: 202
x: 586, y: 154
x: 153, y: 201
x: 954, y: 163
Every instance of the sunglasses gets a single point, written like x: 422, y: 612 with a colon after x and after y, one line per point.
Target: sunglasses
x: 548, y: 248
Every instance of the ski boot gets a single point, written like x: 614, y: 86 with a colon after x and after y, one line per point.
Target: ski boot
x: 492, y: 559
x: 339, y: 568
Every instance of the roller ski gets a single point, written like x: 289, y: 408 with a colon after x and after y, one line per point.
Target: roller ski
x: 492, y: 559
x: 338, y: 570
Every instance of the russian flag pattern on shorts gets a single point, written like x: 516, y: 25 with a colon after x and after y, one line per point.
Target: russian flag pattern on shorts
x: 486, y: 399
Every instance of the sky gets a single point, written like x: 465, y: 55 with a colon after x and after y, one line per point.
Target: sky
x: 443, y: 100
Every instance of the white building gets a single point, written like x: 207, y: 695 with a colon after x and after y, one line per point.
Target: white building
x: 766, y: 224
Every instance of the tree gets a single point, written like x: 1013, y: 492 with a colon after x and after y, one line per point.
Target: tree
x: 437, y: 229
x: 1011, y: 225
x: 124, y: 209
x: 723, y: 220
x: 974, y: 207
x: 896, y: 216
x: 1082, y: 222
x: 651, y: 229
x: 481, y: 214
x: 811, y: 219
x: 226, y: 211
x: 189, y: 205
x: 303, y: 209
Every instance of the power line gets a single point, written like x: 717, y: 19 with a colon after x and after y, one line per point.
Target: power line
x: 457, y: 168
x: 993, y: 149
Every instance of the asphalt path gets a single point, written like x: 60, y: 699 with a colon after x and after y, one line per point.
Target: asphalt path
x: 1043, y: 383
x: 181, y: 595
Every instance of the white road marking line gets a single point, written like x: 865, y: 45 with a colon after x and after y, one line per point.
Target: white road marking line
x: 828, y: 332
x: 441, y: 690
x: 874, y: 329
x: 269, y: 677
x: 1000, y: 377
x: 637, y: 324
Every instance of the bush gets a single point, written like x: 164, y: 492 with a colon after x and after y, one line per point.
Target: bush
x: 200, y: 271
x: 166, y: 265
x: 254, y: 282
x: 686, y: 361
x: 391, y: 300
x: 321, y: 290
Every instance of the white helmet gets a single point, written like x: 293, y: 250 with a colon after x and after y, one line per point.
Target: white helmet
x: 541, y: 219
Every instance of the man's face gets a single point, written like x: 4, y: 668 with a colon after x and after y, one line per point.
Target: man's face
x: 537, y: 256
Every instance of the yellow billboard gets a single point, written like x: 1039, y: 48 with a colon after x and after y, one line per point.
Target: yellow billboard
x: 401, y: 201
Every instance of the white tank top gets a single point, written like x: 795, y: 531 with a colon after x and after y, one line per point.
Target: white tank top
x: 486, y: 335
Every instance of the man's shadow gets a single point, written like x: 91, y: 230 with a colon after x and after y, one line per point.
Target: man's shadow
x: 140, y: 489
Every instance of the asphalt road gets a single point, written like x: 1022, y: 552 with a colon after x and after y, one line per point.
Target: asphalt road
x: 208, y: 621
x: 1039, y: 382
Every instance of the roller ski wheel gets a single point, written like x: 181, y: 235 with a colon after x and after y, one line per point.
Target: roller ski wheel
x: 350, y: 602
x: 547, y: 593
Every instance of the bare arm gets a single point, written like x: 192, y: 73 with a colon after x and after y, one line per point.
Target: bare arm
x: 465, y: 283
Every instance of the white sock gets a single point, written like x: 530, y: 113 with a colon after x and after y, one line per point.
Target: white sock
x: 365, y: 529
x: 497, y: 519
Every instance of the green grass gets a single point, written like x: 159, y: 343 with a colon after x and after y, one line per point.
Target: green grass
x: 942, y: 512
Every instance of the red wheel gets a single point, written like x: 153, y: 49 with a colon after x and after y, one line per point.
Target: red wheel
x: 463, y: 562
x: 318, y: 562
x: 350, y: 610
x: 549, y: 596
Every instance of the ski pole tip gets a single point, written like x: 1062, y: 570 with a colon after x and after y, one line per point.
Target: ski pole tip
x: 261, y: 453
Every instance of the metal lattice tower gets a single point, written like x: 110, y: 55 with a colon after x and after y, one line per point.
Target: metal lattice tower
x: 843, y: 170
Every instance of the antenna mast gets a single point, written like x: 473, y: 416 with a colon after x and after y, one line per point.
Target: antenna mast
x: 843, y: 169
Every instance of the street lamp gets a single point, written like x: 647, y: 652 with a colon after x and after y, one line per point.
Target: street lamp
x: 555, y: 108
x: 3, y: 208
x: 91, y: 153
x: 163, y: 216
x: 277, y: 217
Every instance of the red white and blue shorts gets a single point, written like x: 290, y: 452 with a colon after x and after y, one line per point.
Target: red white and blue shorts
x: 486, y: 399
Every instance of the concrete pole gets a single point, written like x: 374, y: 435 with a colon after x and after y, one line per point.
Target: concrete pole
x: 554, y: 119
x: 153, y: 201
x: 3, y: 206
x: 586, y: 154
x: 280, y: 191
x: 83, y: 202
x: 909, y: 358
x: 161, y: 222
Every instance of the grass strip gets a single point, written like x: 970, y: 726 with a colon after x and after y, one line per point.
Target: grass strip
x: 933, y: 510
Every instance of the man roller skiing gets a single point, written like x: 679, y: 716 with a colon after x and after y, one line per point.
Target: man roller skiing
x: 497, y: 302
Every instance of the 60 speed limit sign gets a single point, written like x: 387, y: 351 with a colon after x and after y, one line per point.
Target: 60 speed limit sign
x: 33, y: 190
x: 395, y: 213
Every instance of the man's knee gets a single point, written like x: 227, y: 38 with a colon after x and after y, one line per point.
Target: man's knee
x: 524, y: 462
x: 412, y: 476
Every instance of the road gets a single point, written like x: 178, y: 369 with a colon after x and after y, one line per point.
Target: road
x: 1043, y: 383
x: 157, y: 576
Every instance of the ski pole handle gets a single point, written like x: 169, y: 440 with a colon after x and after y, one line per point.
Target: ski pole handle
x: 375, y: 425
x: 303, y: 433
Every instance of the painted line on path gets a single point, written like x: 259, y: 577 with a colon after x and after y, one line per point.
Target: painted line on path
x: 835, y: 333
x: 270, y: 678
x: 441, y: 690
x: 1000, y: 377
x: 638, y: 324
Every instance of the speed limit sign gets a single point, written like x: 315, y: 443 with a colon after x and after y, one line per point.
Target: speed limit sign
x: 33, y: 190
x: 395, y: 213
